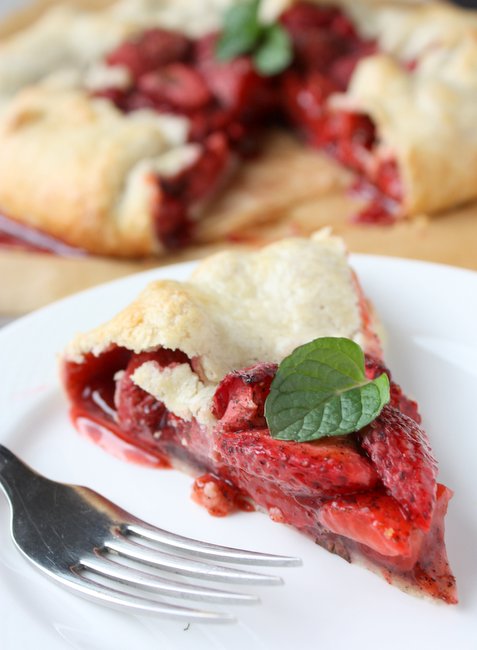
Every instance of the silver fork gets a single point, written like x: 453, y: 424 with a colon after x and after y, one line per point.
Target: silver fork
x: 90, y: 545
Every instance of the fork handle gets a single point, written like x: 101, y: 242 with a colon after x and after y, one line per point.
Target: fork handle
x: 14, y: 474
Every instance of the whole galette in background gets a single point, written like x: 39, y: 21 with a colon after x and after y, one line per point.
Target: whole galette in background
x: 118, y: 127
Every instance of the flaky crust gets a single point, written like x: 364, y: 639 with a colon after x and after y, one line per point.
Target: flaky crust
x: 82, y: 171
x: 421, y: 92
x: 239, y: 308
x: 425, y: 116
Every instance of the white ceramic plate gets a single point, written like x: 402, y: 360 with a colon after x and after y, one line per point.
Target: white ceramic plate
x: 429, y: 312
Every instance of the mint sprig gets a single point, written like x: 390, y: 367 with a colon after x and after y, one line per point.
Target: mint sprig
x: 321, y: 389
x: 242, y: 33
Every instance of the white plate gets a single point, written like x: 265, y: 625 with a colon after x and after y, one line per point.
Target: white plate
x: 430, y: 313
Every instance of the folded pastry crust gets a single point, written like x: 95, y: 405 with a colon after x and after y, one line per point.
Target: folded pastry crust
x: 92, y: 182
x: 90, y: 176
x: 241, y: 299
x: 425, y: 116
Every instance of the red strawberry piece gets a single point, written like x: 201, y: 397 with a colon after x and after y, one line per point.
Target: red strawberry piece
x: 154, y: 48
x: 342, y: 25
x: 183, y: 193
x: 375, y: 520
x: 317, y: 48
x: 349, y: 136
x: 136, y: 101
x: 303, y: 15
x: 199, y: 179
x: 115, y: 95
x: 400, y: 452
x: 139, y: 413
x: 304, y: 98
x: 239, y: 400
x: 349, y: 127
x: 170, y: 220
x: 235, y: 84
x: 388, y: 179
x: 379, y: 209
x: 203, y: 123
x: 342, y: 69
x: 208, y: 171
x: 374, y: 368
x: 176, y: 85
x: 323, y: 468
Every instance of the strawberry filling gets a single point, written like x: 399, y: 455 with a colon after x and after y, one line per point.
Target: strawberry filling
x: 225, y: 104
x: 327, y: 51
x: 370, y: 495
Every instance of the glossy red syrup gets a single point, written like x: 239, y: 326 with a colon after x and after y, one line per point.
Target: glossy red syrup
x: 335, y: 490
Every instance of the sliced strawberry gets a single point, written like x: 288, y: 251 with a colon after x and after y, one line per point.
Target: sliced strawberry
x: 323, y: 468
x: 182, y: 194
x: 400, y: 452
x: 316, y: 49
x: 154, y: 48
x: 388, y: 179
x: 304, y: 98
x: 208, y: 171
x: 348, y: 135
x: 373, y: 368
x: 235, y: 84
x: 344, y: 66
x: 176, y: 85
x: 303, y: 15
x: 342, y: 25
x: 239, y: 400
x: 375, y: 520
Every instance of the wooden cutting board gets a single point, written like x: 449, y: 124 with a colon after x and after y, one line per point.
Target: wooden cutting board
x: 288, y: 190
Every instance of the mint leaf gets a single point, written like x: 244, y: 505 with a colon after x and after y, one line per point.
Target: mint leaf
x: 274, y: 53
x: 241, y: 31
x: 321, y: 390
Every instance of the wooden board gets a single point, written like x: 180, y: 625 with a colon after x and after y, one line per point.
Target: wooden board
x: 288, y: 190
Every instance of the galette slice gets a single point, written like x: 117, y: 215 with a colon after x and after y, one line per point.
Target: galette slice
x: 184, y: 376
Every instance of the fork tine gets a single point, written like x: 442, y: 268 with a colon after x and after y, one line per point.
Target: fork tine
x: 186, y: 566
x: 117, y: 598
x: 205, y: 549
x: 108, y: 568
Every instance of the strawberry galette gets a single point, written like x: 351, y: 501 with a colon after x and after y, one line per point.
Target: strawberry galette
x: 264, y: 376
x: 141, y: 112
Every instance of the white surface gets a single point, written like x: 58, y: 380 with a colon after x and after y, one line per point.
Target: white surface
x: 430, y: 313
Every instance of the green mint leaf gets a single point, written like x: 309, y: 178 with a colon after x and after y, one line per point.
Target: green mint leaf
x: 274, y: 52
x: 241, y: 31
x: 321, y: 390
